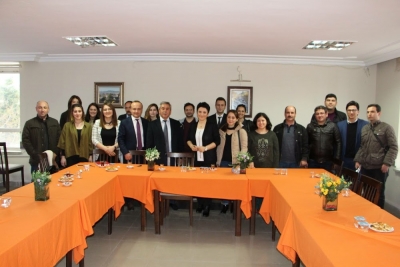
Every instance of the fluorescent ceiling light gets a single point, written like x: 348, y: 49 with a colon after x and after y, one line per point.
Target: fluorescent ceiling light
x: 91, y: 41
x: 327, y: 45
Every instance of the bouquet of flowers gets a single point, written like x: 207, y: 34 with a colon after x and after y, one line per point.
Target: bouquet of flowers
x: 41, y: 178
x: 41, y: 181
x: 244, y: 159
x: 330, y: 188
x: 152, y: 154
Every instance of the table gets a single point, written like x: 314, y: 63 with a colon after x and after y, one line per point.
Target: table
x: 36, y: 233
x: 96, y: 192
x: 323, y: 238
x: 220, y: 184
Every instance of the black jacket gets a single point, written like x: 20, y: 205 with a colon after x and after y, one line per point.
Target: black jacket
x: 340, y: 116
x: 33, y: 137
x: 210, y: 134
x: 325, y: 142
x: 213, y: 118
x: 301, y: 139
x: 155, y: 138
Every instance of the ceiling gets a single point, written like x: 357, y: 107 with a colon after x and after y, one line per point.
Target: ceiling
x: 208, y: 30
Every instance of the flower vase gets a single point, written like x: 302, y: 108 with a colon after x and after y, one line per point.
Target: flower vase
x: 242, y: 168
x: 42, y: 192
x: 150, y: 165
x: 330, y: 204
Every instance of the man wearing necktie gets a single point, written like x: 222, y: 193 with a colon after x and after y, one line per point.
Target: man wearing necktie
x: 219, y: 117
x: 132, y: 132
x: 165, y: 134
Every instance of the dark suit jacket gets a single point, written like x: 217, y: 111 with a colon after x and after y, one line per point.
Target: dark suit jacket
x: 342, y: 125
x: 213, y: 119
x: 127, y: 135
x: 210, y: 134
x: 122, y: 117
x: 155, y: 138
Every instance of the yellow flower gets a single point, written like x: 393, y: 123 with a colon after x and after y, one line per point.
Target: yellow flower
x: 325, y: 192
x: 334, y: 184
x: 328, y: 184
x: 338, y: 181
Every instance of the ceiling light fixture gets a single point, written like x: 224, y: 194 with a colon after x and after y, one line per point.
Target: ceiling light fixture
x: 327, y: 45
x: 91, y: 41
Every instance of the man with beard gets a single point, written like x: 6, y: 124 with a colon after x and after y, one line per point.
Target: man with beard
x: 186, y: 123
x: 293, y: 141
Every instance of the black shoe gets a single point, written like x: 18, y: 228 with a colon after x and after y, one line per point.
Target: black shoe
x: 199, y: 209
x: 173, y: 206
x: 224, y: 209
x: 206, y: 211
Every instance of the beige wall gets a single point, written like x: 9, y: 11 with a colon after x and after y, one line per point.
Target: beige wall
x: 388, y: 96
x: 275, y: 86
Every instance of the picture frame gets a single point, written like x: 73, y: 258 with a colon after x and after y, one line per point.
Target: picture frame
x: 109, y: 92
x: 241, y: 95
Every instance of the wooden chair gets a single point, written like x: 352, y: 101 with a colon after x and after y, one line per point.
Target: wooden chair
x: 179, y: 160
x: 44, y: 162
x: 351, y: 176
x: 138, y: 156
x: 100, y: 155
x: 369, y: 188
x: 337, y: 166
x: 6, y: 168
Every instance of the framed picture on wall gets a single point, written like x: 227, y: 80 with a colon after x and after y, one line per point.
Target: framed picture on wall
x: 111, y: 92
x: 241, y: 95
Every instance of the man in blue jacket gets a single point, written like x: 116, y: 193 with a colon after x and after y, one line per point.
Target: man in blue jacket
x: 350, y: 132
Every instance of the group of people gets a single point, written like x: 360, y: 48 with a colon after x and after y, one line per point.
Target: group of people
x: 217, y: 139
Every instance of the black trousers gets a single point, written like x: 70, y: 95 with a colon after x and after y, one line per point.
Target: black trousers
x: 377, y: 174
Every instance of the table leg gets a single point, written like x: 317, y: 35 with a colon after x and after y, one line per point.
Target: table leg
x: 297, y: 261
x: 157, y: 212
x: 252, y: 230
x: 273, y: 230
x: 142, y: 218
x: 68, y: 259
x: 110, y: 219
x: 238, y: 222
x: 82, y: 262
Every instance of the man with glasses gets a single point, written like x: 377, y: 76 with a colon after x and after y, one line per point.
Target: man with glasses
x: 350, y: 131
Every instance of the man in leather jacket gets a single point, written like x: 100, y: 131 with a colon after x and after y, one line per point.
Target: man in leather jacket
x: 324, y: 140
x: 334, y: 115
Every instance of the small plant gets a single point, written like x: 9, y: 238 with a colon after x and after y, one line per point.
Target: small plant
x: 244, y: 159
x: 152, y: 154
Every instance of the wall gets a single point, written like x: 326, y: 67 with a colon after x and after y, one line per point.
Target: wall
x: 388, y: 96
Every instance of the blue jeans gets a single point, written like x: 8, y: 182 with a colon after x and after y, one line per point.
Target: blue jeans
x: 349, y: 163
x: 327, y: 165
x: 288, y: 165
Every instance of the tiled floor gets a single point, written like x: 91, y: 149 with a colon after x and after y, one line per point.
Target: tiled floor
x: 210, y: 242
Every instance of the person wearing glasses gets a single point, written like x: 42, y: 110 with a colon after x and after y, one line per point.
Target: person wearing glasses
x: 350, y: 132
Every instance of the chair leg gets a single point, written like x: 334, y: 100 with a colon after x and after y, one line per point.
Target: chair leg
x: 234, y: 210
x: 82, y: 262
x: 273, y: 230
x: 110, y: 217
x: 142, y: 217
x: 191, y: 211
x: 4, y: 180
x: 7, y: 182
x: 297, y: 261
x: 162, y: 211
x: 253, y: 216
x: 22, y: 175
x: 68, y: 259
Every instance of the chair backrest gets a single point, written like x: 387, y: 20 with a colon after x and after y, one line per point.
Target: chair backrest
x: 3, y: 158
x: 369, y: 188
x: 44, y: 162
x: 184, y: 158
x: 100, y: 155
x: 351, y: 176
x: 138, y: 156
x: 337, y: 166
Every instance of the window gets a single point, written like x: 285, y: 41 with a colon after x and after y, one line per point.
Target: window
x: 10, y: 109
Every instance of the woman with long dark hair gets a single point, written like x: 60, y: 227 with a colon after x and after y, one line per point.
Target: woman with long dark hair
x: 66, y: 115
x: 151, y: 113
x: 92, y: 113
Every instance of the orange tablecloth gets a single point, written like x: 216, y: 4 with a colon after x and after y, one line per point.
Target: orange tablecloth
x: 36, y: 233
x: 221, y: 183
x: 323, y: 238
x: 96, y: 192
x: 134, y: 182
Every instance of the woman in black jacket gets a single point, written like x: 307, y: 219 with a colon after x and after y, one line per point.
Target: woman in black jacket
x: 204, y: 139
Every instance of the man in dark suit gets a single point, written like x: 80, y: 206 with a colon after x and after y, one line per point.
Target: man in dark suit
x: 127, y: 111
x: 132, y: 131
x: 165, y: 134
x: 219, y: 117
